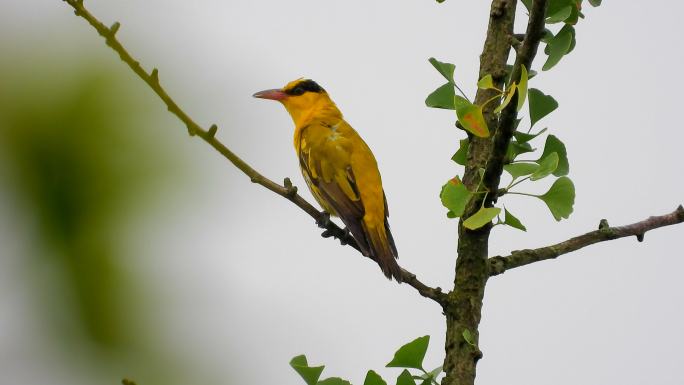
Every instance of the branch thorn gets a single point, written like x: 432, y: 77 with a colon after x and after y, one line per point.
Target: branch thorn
x: 155, y: 75
x: 640, y: 237
x: 212, y: 130
x: 291, y: 190
x: 114, y: 28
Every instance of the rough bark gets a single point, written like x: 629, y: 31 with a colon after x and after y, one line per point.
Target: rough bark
x: 464, y: 305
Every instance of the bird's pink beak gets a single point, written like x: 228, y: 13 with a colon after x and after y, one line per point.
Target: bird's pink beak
x: 274, y: 94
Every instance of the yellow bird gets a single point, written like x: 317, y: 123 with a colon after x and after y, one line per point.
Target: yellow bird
x: 340, y: 169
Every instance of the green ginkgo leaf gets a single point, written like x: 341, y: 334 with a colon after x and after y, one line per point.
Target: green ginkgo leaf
x: 483, y: 216
x: 547, y: 165
x: 522, y: 88
x: 373, y: 378
x: 553, y: 144
x: 310, y: 374
x: 470, y: 116
x: 509, y: 95
x: 442, y: 97
x: 486, y: 82
x: 411, y: 354
x: 462, y: 153
x: 557, y: 47
x: 334, y: 381
x: 511, y: 220
x: 560, y: 198
x: 521, y: 169
x: 455, y: 196
x: 540, y: 105
x: 523, y: 137
x: 446, y: 69
x: 561, y: 15
x: 405, y: 378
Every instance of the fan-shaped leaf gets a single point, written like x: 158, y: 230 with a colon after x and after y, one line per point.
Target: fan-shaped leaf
x: 470, y: 116
x: 455, y: 196
x: 373, y: 378
x: 547, y: 165
x: 511, y: 220
x: 540, y: 105
x: 560, y: 198
x: 310, y: 374
x: 521, y: 169
x: 410, y: 355
x: 483, y: 216
x: 553, y: 144
x: 442, y: 97
x: 446, y: 69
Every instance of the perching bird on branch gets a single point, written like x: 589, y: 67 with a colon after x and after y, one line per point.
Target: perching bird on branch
x: 339, y: 169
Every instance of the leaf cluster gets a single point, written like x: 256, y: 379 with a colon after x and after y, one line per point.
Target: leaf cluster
x: 553, y: 161
x: 408, y: 356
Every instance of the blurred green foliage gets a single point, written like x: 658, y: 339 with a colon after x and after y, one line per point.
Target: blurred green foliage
x: 80, y: 163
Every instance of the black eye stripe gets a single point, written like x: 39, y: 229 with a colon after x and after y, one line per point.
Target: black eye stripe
x: 307, y: 85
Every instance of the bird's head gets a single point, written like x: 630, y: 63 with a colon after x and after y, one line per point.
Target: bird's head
x: 302, y: 98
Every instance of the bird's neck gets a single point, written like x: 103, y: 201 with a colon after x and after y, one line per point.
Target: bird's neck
x: 321, y: 109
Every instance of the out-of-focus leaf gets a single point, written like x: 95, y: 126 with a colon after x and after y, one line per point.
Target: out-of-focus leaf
x: 595, y: 3
x: 470, y: 116
x: 442, y: 97
x: 483, y: 216
x: 411, y: 354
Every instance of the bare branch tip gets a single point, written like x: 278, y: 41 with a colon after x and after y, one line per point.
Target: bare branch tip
x: 155, y: 75
x: 212, y: 130
x: 114, y: 28
x: 290, y: 188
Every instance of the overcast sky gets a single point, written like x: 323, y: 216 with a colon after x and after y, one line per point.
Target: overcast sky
x: 246, y: 279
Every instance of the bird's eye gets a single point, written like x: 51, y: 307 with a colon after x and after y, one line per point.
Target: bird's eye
x: 298, y: 90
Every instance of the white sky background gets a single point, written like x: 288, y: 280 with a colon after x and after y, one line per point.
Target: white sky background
x: 245, y: 281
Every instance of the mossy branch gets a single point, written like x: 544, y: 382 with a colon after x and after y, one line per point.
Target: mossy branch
x: 499, y: 264
x: 287, y: 190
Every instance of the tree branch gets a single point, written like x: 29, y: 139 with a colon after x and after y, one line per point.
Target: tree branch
x: 499, y: 264
x: 287, y: 190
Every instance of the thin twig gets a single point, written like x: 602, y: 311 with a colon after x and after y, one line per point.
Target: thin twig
x: 287, y: 190
x: 499, y: 264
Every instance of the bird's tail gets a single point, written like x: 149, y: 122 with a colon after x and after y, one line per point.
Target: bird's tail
x: 383, y: 249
